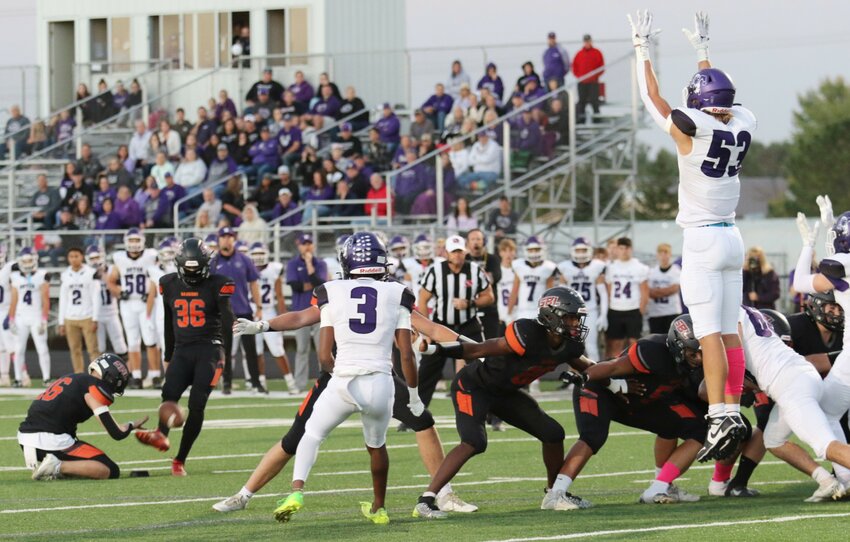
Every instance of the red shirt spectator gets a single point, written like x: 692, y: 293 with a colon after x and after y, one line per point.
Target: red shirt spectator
x: 587, y: 59
x: 377, y: 192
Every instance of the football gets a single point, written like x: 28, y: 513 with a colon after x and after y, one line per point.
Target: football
x: 171, y: 414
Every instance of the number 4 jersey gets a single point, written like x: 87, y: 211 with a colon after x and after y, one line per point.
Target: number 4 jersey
x: 195, y: 313
x: 709, y: 188
x: 29, y: 294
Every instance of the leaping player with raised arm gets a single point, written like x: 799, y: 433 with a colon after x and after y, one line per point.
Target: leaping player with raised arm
x: 712, y: 136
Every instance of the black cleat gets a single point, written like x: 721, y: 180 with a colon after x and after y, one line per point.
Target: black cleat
x: 136, y: 383
x: 724, y: 434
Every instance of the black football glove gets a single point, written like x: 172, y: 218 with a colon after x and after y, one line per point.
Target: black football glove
x: 145, y: 298
x: 577, y: 379
x: 125, y: 295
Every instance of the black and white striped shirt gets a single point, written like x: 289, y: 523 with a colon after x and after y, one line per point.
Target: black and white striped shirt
x: 446, y: 286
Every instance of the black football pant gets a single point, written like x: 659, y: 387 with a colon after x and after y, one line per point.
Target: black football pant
x: 431, y: 367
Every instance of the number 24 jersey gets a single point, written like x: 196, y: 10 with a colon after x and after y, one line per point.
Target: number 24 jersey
x: 625, y: 279
x: 196, y: 311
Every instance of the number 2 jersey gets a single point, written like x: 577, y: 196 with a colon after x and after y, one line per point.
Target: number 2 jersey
x: 194, y: 314
x: 583, y: 279
x: 531, y: 358
x: 29, y: 293
x: 364, y: 314
x: 709, y: 187
x: 532, y: 284
x: 62, y: 406
x: 134, y: 272
x: 269, y: 275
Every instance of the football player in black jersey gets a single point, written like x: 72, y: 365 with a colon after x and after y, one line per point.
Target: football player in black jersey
x: 528, y: 350
x: 197, y: 322
x: 48, y: 435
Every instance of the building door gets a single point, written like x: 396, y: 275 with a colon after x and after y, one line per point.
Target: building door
x: 61, y: 75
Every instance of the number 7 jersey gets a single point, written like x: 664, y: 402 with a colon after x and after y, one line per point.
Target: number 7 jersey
x: 709, y: 187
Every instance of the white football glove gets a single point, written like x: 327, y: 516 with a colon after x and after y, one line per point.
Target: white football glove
x: 827, y: 218
x: 42, y: 327
x: 642, y: 33
x: 13, y: 327
x: 809, y: 236
x: 618, y: 385
x: 416, y: 406
x: 149, y: 325
x: 243, y: 326
x: 602, y: 323
x: 699, y: 36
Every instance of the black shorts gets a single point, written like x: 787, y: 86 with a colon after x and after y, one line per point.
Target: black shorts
x: 196, y: 365
x: 473, y: 402
x: 624, y: 324
x: 81, y: 451
x: 661, y: 324
x: 596, y: 407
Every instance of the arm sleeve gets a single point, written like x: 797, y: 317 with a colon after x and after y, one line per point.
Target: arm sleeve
x: 408, y: 300
x: 63, y: 290
x: 403, y: 319
x: 109, y: 423
x: 804, y: 281
x: 647, y: 101
x: 602, y: 290
x: 320, y: 294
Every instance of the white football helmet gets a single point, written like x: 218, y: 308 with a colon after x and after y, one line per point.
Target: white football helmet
x: 581, y: 252
x: 134, y: 241
x: 535, y: 250
x: 27, y: 260
x: 259, y: 254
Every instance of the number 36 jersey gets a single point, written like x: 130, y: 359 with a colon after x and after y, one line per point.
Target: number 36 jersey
x: 195, y: 313
x: 134, y: 272
x: 364, y: 314
x: 709, y: 188
x: 583, y: 279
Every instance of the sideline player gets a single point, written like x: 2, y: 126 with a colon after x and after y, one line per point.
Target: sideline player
x: 507, y: 255
x: 7, y: 340
x: 106, y: 311
x: 364, y: 315
x: 154, y: 309
x: 29, y: 310
x: 128, y: 281
x: 712, y: 137
x: 586, y: 275
x: 628, y: 292
x: 198, y: 308
x: 79, y: 296
x: 528, y: 350
x: 533, y: 274
x: 664, y: 302
x: 48, y: 435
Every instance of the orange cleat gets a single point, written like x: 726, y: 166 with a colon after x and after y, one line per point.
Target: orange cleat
x: 177, y: 468
x: 154, y: 438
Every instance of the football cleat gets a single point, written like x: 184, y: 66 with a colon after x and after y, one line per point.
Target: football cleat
x: 48, y: 469
x: 226, y: 388
x: 135, y: 384
x: 154, y: 438
x: 681, y: 494
x: 289, y: 505
x: 717, y: 489
x: 724, y: 433
x: 830, y: 491
x: 5, y: 382
x: 450, y: 502
x: 177, y: 468
x: 291, y: 387
x: 563, y: 501
x: 232, y: 504
x: 378, y: 518
x: 427, y: 508
x: 745, y: 492
x: 26, y: 382
x: 156, y: 382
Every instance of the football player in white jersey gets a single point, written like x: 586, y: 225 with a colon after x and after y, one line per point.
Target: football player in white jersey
x: 586, y: 275
x: 423, y: 257
x: 154, y: 309
x: 28, y: 313
x: 7, y: 340
x: 712, y: 136
x: 533, y: 274
x: 274, y: 303
x: 106, y: 312
x: 128, y: 280
x: 507, y: 254
x: 364, y: 316
x: 628, y: 295
x: 334, y: 269
x: 664, y: 303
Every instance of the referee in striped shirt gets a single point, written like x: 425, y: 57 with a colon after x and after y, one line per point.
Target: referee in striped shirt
x: 459, y: 288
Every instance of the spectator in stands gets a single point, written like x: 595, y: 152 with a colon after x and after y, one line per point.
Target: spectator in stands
x: 388, y: 126
x: 204, y: 127
x: 57, y: 245
x: 453, y: 124
x: 203, y: 226
x: 485, y: 161
x: 330, y: 171
x: 67, y: 178
x: 302, y: 90
x: 79, y: 187
x: 191, y: 142
x: 191, y: 172
x: 228, y: 133
x: 461, y: 220
x: 558, y: 121
x: 377, y: 152
x: 127, y: 209
x: 556, y: 61
x: 265, y: 195
x: 142, y: 193
x: 84, y: 217
x: 438, y: 106
x: 761, y: 283
x: 119, y: 102
x: 320, y: 191
x: 351, y: 144
x: 352, y: 104
x: 457, y: 77
x: 83, y: 95
x: 426, y: 202
x: 232, y: 201
x: 64, y: 128
x: 421, y: 125
x: 180, y: 124
x: 409, y: 183
x: 327, y: 105
x: 358, y: 182
x: 224, y: 103
x: 211, y: 206
x: 527, y: 74
x: 532, y: 92
x: 378, y: 193
x: 325, y: 81
x: 406, y: 145
x: 503, y: 221
x: 140, y: 145
x: 47, y: 200
x: 242, y: 46
x: 264, y: 107
x: 285, y: 205
x: 161, y: 168
x: 107, y: 219
x: 464, y: 99
x: 116, y: 175
x: 309, y: 126
x: 426, y: 145
x: 475, y: 110
x: 222, y: 165
x: 291, y: 106
x: 123, y: 157
x: 267, y: 83
x: 104, y: 191
x: 253, y: 228
x: 264, y: 156
x: 343, y: 192
x: 250, y: 128
x: 88, y: 163
x: 492, y: 82
x: 169, y: 140
x: 525, y: 140
x: 171, y: 194
x: 587, y: 59
x: 37, y: 138
x: 101, y: 105
x: 240, y: 151
x: 134, y: 99
x: 459, y: 157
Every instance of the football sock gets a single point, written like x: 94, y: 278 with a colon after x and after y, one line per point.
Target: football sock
x: 737, y: 365
x: 44, y: 364
x: 308, y: 451
x: 723, y: 472
x: 137, y: 373
x: 669, y: 472
x: 190, y: 432
x: 245, y: 493
x: 5, y: 360
x: 733, y: 408
x: 821, y: 476
x: 562, y: 483
x: 154, y: 374
x: 746, y: 466
x: 19, y: 367
x: 163, y: 428
x: 446, y: 489
x: 716, y: 410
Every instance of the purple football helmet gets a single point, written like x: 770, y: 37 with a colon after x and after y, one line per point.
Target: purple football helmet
x: 134, y: 241
x: 259, y: 254
x: 712, y: 91
x: 364, y: 255
x: 167, y: 250
x: 838, y: 237
x: 581, y: 251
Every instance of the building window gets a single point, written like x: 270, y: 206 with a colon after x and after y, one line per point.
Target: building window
x: 171, y: 38
x: 99, y: 45
x: 298, y: 32
x: 189, y: 41
x: 206, y: 40
x: 120, y: 40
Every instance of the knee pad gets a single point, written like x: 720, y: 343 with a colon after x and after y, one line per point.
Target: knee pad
x: 478, y: 443
x: 553, y: 433
x: 421, y: 423
x: 594, y: 437
x: 772, y: 439
x: 289, y: 442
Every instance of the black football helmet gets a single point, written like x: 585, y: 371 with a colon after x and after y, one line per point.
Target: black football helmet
x: 779, y: 324
x: 679, y: 337
x: 112, y: 371
x: 815, y: 307
x: 556, y: 306
x: 193, y: 261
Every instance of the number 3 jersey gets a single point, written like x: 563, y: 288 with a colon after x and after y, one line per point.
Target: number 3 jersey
x: 29, y: 293
x: 532, y: 284
x: 625, y: 279
x: 583, y: 279
x: 364, y: 314
x: 194, y: 314
x: 709, y: 188
x: 62, y: 406
x: 134, y: 272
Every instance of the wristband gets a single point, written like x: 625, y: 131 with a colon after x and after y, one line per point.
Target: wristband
x: 702, y: 54
x: 452, y: 350
x: 264, y: 325
x: 130, y: 426
x: 465, y: 339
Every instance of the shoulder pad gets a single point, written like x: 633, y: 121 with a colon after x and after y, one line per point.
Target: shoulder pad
x: 517, y: 335
x: 683, y: 122
x: 646, y: 354
x: 833, y: 267
x: 320, y: 294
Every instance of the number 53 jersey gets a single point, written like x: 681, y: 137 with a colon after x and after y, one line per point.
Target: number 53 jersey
x: 364, y: 314
x: 196, y: 311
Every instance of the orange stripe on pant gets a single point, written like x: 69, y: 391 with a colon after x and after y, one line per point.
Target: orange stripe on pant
x: 588, y: 405
x: 83, y: 451
x: 217, y: 374
x: 464, y: 403
x: 683, y: 411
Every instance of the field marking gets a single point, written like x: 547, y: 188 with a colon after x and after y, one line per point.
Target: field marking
x: 154, y: 408
x: 661, y: 528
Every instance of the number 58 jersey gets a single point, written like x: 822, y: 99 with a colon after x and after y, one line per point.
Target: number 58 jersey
x: 364, y: 314
x: 134, y: 272
x: 196, y: 312
x: 709, y: 188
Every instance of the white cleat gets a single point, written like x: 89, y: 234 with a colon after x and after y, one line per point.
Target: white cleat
x: 681, y: 494
x: 147, y: 383
x: 5, y: 382
x: 232, y: 504
x: 830, y: 491
x: 559, y: 500
x: 48, y: 469
x: 424, y: 510
x: 450, y: 502
x: 717, y: 489
x: 534, y: 387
